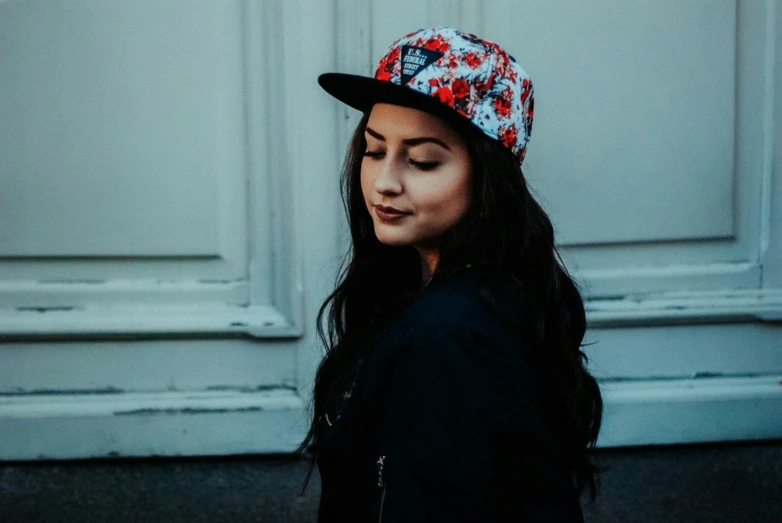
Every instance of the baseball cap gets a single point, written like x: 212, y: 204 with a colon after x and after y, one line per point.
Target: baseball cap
x: 452, y: 74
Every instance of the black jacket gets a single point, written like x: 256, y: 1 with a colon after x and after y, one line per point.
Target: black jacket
x: 438, y: 418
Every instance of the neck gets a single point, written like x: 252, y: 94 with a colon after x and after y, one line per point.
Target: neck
x: 429, y: 259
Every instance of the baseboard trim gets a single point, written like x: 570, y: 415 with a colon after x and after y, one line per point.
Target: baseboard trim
x: 78, y: 426
x: 661, y: 412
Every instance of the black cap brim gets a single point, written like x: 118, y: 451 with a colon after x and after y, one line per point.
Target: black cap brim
x: 361, y: 92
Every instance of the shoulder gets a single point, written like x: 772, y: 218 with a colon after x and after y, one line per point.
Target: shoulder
x: 470, y: 300
x: 457, y: 333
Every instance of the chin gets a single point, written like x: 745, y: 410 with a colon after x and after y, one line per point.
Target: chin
x: 393, y: 240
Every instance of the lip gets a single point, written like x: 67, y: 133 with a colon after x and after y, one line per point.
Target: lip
x: 389, y: 213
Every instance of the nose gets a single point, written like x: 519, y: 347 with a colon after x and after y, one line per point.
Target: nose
x: 387, y: 178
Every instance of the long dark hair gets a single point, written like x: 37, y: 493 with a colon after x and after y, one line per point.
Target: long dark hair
x: 507, y: 233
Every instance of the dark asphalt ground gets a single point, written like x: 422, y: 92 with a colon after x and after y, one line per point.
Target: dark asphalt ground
x: 714, y: 483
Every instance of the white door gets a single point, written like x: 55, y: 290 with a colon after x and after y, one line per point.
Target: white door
x: 171, y: 217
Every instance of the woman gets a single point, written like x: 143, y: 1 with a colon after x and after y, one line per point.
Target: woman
x: 454, y: 387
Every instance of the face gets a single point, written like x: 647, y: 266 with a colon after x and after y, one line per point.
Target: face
x: 417, y: 164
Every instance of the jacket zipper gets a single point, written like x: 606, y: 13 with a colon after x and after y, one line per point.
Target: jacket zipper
x: 381, y: 484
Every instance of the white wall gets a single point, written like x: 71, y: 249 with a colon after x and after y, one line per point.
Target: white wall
x: 171, y: 217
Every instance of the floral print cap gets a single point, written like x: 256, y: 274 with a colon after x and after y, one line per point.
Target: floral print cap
x: 473, y: 77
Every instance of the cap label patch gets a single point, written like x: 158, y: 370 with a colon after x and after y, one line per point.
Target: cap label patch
x: 415, y: 59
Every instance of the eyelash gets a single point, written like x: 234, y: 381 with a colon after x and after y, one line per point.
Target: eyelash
x: 424, y: 166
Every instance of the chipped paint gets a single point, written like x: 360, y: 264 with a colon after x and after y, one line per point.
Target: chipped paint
x: 257, y: 388
x: 707, y: 374
x: 695, y: 375
x: 115, y: 390
x: 46, y: 309
x: 72, y: 282
x: 61, y: 392
x: 187, y: 410
x: 610, y: 297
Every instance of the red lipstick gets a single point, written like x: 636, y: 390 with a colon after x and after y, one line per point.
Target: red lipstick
x: 389, y: 213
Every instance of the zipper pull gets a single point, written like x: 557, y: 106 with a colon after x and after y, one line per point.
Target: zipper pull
x: 380, y: 482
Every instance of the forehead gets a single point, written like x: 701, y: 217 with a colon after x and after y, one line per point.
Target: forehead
x: 397, y: 121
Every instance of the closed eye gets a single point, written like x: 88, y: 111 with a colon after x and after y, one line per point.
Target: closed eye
x: 424, y: 166
x: 375, y: 154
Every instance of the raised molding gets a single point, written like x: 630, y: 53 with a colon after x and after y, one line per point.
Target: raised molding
x: 771, y: 187
x: 276, y: 271
x: 150, y: 424
x: 63, y: 295
x: 265, y: 303
x: 645, y: 279
x: 267, y: 322
x: 685, y: 307
x: 260, y: 321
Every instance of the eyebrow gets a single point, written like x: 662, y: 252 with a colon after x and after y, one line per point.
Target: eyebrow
x: 409, y: 141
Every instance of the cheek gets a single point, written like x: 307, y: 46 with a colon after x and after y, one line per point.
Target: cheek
x: 446, y: 200
x: 366, y: 180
